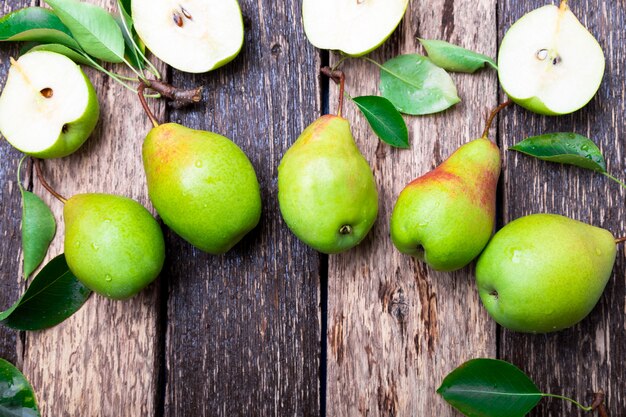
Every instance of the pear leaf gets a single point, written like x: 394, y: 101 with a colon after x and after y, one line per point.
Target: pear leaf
x: 564, y: 148
x: 54, y: 295
x: 17, y: 398
x: 416, y: 86
x: 490, y: 388
x: 38, y: 230
x: 386, y: 122
x: 35, y: 24
x: 455, y: 58
x: 94, y: 29
x: 77, y: 57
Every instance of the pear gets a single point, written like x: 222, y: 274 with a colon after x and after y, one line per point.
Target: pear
x: 326, y: 189
x: 202, y: 185
x: 113, y: 245
x: 447, y: 216
x: 544, y: 272
x: 549, y: 62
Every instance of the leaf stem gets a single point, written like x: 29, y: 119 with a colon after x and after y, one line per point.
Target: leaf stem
x: 144, y: 104
x: 45, y: 184
x: 339, y: 77
x: 338, y: 63
x: 606, y: 174
x: 493, y: 115
x: 109, y: 73
x: 576, y: 403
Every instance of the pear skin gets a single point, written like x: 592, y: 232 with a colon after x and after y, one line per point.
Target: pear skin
x: 544, y: 272
x: 202, y: 185
x: 447, y: 216
x: 326, y: 188
x: 113, y: 245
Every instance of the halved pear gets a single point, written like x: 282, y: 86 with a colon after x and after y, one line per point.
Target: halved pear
x: 190, y: 35
x: 549, y: 63
x: 48, y: 107
x: 354, y: 27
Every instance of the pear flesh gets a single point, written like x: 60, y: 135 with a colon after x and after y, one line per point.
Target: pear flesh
x: 48, y: 107
x: 353, y: 27
x: 113, y: 245
x: 544, y: 272
x: 326, y: 189
x: 549, y: 63
x: 202, y: 185
x: 190, y: 35
x: 447, y: 216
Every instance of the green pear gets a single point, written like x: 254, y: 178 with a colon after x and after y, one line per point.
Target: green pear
x: 48, y: 107
x: 113, y: 245
x: 326, y: 189
x: 202, y: 185
x: 447, y: 216
x: 544, y: 272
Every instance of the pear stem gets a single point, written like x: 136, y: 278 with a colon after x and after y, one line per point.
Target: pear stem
x: 598, y: 404
x: 493, y: 115
x: 44, y: 183
x: 144, y: 104
x: 339, y: 78
x: 563, y: 5
x: 620, y: 240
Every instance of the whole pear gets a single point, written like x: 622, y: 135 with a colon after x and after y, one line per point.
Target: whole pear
x: 202, y: 185
x: 113, y: 245
x: 326, y: 189
x: 544, y: 272
x: 447, y: 216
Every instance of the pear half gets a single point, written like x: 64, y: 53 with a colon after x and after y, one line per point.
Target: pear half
x: 190, y: 35
x: 354, y: 27
x: 48, y: 107
x: 549, y: 63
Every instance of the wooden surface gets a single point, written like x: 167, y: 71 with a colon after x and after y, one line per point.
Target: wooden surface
x: 273, y: 328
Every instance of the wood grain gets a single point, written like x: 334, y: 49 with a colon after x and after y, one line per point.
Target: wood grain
x: 10, y: 214
x: 104, y: 360
x: 243, y: 329
x: 591, y: 355
x: 395, y: 327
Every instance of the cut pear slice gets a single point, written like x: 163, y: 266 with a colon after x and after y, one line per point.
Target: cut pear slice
x: 354, y: 27
x: 549, y: 62
x: 48, y: 107
x: 190, y: 35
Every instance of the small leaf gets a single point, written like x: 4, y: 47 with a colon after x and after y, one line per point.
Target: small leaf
x: 490, y: 388
x: 564, y: 148
x: 416, y: 86
x: 129, y: 38
x: 454, y: 58
x: 60, y: 49
x: 53, y: 296
x: 35, y: 24
x: 17, y: 398
x: 38, y: 230
x: 93, y: 28
x: 384, y: 120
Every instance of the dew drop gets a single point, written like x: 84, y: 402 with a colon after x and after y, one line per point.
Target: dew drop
x: 598, y: 251
x: 517, y: 255
x: 108, y: 278
x: 198, y: 164
x: 584, y: 147
x: 77, y: 244
x: 95, y: 246
x: 542, y: 54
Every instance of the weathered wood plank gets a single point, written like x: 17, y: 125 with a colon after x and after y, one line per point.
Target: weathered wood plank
x: 243, y: 335
x: 10, y: 212
x: 395, y: 327
x: 103, y: 361
x: 591, y: 355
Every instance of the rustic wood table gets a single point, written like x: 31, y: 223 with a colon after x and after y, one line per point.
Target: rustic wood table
x: 274, y: 328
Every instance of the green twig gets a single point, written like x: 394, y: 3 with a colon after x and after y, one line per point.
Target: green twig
x: 576, y: 403
x: 341, y: 61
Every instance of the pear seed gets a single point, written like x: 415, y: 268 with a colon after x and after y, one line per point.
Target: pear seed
x: 178, y: 19
x: 47, y: 92
x: 542, y: 54
x: 556, y: 60
x: 186, y: 13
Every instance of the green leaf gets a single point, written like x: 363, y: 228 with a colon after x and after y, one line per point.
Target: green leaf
x: 53, y: 296
x: 454, y: 58
x: 38, y: 230
x: 384, y: 120
x: 126, y: 26
x: 35, y: 24
x: 17, y: 398
x: 564, y: 148
x: 60, y: 49
x: 490, y: 388
x: 93, y: 28
x: 416, y: 86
